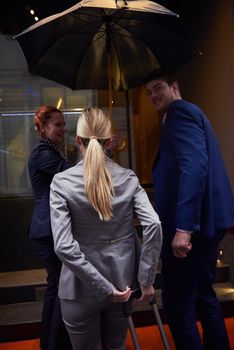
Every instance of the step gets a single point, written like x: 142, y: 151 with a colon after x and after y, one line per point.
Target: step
x: 24, y: 278
x: 22, y: 286
x: 22, y: 320
x: 21, y: 295
x: 143, y: 315
x: 29, y: 285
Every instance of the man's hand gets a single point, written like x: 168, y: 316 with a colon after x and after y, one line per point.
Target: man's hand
x: 181, y: 244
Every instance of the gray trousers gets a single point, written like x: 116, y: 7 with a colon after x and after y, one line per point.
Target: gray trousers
x: 94, y: 325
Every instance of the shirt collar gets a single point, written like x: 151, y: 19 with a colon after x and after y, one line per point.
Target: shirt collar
x: 164, y: 118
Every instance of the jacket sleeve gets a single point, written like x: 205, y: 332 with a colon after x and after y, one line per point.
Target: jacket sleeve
x: 68, y: 249
x: 189, y: 144
x: 152, y: 237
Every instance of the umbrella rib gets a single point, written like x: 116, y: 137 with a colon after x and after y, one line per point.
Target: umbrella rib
x: 99, y: 22
x: 104, y: 14
x: 100, y: 19
x: 94, y: 24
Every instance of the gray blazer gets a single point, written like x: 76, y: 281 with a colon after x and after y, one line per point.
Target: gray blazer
x: 98, y: 255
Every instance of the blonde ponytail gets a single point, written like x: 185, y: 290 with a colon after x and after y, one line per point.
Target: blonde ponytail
x: 94, y: 129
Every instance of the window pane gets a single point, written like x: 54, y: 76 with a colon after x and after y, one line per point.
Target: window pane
x: 17, y: 138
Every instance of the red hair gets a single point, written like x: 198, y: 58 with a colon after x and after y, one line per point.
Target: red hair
x: 43, y: 115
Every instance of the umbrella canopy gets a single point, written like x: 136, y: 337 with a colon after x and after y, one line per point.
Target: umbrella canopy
x: 101, y: 44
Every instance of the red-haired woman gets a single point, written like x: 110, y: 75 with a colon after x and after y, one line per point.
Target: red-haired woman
x: 44, y: 162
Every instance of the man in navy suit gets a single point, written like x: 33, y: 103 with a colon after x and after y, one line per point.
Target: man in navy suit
x: 194, y: 201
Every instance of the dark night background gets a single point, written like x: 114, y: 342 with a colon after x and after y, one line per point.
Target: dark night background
x: 16, y: 17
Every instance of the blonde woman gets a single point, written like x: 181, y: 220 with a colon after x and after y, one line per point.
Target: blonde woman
x: 93, y: 205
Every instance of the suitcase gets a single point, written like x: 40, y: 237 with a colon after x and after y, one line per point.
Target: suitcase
x: 128, y: 314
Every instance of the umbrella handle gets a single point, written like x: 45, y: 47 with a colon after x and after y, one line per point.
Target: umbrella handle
x: 109, y: 83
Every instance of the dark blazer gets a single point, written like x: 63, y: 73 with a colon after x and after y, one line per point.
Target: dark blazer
x: 192, y: 190
x: 44, y: 162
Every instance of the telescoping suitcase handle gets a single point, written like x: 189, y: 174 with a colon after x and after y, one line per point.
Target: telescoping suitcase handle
x: 159, y: 323
x: 127, y: 309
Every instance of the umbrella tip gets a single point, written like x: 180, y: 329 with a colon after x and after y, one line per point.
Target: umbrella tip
x: 124, y: 1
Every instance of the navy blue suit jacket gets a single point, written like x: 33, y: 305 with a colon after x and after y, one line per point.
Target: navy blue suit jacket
x: 192, y: 190
x: 44, y: 162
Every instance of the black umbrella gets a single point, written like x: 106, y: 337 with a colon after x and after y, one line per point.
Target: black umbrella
x: 105, y: 44
x: 75, y: 47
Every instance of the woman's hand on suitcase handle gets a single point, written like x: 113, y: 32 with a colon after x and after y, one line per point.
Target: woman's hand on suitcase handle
x: 120, y: 297
x: 147, y: 293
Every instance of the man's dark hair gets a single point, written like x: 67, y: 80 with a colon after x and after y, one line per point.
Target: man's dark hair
x: 160, y: 73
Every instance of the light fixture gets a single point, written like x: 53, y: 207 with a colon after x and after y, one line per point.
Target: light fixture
x: 220, y: 256
x: 59, y: 103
